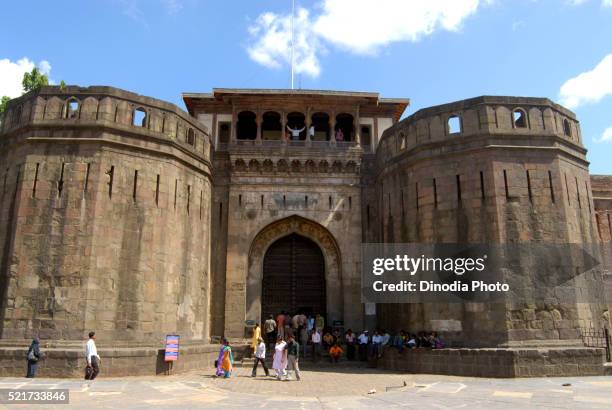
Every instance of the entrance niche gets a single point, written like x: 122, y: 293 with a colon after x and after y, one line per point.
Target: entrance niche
x: 246, y: 129
x: 344, y: 122
x: 296, y: 120
x: 320, y: 121
x: 293, y: 278
x: 271, y: 127
x: 294, y: 264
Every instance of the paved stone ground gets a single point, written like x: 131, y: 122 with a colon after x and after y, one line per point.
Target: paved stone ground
x: 326, y: 388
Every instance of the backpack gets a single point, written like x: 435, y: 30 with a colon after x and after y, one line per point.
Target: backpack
x: 32, y: 356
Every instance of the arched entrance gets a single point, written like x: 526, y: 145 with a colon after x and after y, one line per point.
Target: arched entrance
x: 330, y: 278
x: 293, y: 277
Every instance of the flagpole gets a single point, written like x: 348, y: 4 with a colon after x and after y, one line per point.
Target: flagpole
x: 292, y: 39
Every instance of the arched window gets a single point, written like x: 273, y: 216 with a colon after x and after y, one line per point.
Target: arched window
x: 139, y: 117
x: 402, y: 141
x: 567, y: 129
x: 191, y: 137
x: 224, y: 132
x: 519, y: 118
x: 246, y: 128
x: 454, y: 124
x: 16, y: 116
x: 72, y: 108
x: 296, y: 121
x: 345, y: 130
x: 271, y: 127
x: 320, y: 122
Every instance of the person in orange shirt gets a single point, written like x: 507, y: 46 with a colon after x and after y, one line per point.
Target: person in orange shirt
x: 335, y: 352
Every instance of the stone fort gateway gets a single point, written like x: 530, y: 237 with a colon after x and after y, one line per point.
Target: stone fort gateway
x: 126, y: 215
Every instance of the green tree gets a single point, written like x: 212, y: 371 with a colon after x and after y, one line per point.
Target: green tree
x: 34, y: 80
x: 3, y: 103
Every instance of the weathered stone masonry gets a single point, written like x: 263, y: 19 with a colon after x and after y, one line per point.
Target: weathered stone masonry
x: 105, y: 222
x: 126, y: 215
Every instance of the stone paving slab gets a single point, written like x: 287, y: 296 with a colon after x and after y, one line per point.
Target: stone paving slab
x: 325, y: 389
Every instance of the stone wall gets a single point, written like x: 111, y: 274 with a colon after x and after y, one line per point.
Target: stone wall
x: 602, y: 199
x: 565, y: 362
x: 311, y: 191
x: 107, y: 218
x: 498, y: 179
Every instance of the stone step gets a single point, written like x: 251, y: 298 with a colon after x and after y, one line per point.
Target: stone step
x: 607, y: 369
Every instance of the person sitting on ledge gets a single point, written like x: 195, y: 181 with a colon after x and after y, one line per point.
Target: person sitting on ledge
x: 335, y: 352
x: 328, y: 340
x: 399, y: 341
x: 436, y: 341
x: 412, y: 341
x: 423, y: 341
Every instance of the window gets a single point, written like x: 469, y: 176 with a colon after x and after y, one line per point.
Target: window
x: 72, y: 108
x: 139, y: 117
x: 191, y: 137
x: 519, y: 118
x: 246, y: 128
x: 454, y: 124
x: 567, y: 129
x: 224, y: 132
x: 402, y: 141
x: 366, y: 135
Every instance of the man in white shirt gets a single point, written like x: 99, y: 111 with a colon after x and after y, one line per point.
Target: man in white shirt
x: 260, y: 356
x: 295, y: 132
x: 377, y: 344
x: 316, y: 344
x: 91, y: 355
x: 363, y: 340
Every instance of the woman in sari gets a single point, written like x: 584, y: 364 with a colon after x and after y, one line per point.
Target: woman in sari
x: 280, y: 358
x: 225, y: 360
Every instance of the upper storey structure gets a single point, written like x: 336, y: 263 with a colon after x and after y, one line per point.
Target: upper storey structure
x: 294, y: 118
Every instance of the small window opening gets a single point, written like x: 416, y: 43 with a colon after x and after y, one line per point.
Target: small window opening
x: 72, y: 108
x: 454, y: 124
x: 567, y: 129
x: 139, y: 117
x: 191, y: 137
x: 519, y: 118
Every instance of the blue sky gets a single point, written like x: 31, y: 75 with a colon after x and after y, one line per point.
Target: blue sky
x: 432, y: 52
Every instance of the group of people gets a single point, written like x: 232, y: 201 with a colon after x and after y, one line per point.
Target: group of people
x: 34, y: 355
x: 294, y: 133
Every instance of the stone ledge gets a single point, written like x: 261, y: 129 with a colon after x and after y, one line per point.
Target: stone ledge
x: 116, y: 361
x: 521, y: 362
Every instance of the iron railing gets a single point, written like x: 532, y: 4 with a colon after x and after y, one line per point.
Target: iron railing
x: 597, y: 338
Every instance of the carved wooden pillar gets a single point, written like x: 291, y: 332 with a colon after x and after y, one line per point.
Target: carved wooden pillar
x: 308, y: 123
x: 332, y: 131
x: 234, y: 125
x: 284, y: 127
x: 357, y: 128
x: 258, y: 121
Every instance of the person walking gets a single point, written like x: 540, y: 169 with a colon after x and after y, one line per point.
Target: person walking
x: 225, y: 361
x: 293, y: 351
x: 256, y: 337
x: 279, y: 363
x: 316, y: 345
x: 270, y: 329
x: 93, y: 360
x: 33, y: 356
x: 260, y: 357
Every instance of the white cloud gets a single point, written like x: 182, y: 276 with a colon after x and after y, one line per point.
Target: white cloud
x: 358, y: 26
x: 588, y: 87
x: 11, y: 74
x: 606, y: 136
x: 272, y: 47
x: 604, y: 3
